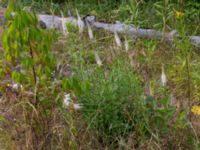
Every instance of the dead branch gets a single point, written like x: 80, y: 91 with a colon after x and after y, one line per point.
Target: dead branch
x: 56, y: 22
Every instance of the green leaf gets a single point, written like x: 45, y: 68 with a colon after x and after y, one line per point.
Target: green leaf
x: 15, y: 76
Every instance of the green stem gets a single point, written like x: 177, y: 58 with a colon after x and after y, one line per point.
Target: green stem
x: 33, y: 71
x: 188, y: 84
x: 33, y: 67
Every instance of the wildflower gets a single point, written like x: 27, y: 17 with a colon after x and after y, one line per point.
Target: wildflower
x: 80, y: 22
x: 179, y: 14
x: 90, y: 33
x: 69, y: 13
x: 67, y: 99
x: 98, y: 60
x: 163, y: 77
x: 126, y: 45
x: 117, y: 40
x: 15, y: 86
x: 77, y: 106
x: 69, y: 104
x: 64, y: 28
x: 195, y: 110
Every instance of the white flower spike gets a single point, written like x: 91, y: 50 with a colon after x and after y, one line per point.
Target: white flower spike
x: 77, y: 106
x: 17, y: 86
x: 64, y: 28
x: 80, y: 22
x: 126, y: 45
x: 66, y: 101
x: 117, y: 40
x: 90, y: 32
x: 69, y: 13
x: 163, y: 77
x: 98, y: 60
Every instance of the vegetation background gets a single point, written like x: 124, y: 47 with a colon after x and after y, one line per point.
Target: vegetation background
x: 105, y: 91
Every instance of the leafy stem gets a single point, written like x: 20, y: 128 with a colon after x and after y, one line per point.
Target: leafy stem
x: 32, y: 57
x: 188, y: 83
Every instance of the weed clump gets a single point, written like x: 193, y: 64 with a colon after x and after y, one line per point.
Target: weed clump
x: 113, y: 102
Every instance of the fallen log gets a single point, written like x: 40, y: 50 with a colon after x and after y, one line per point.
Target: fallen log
x: 56, y: 22
x: 50, y: 21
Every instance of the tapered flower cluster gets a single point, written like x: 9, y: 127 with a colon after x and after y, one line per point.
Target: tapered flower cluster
x: 64, y: 28
x: 98, y: 60
x: 67, y: 103
x: 80, y: 22
x: 163, y: 77
x: 117, y: 40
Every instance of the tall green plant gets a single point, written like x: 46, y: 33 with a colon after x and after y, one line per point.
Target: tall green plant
x: 164, y: 10
x: 29, y: 60
x: 27, y: 47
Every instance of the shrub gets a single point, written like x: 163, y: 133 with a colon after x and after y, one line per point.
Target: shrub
x: 112, y: 100
x: 29, y: 61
